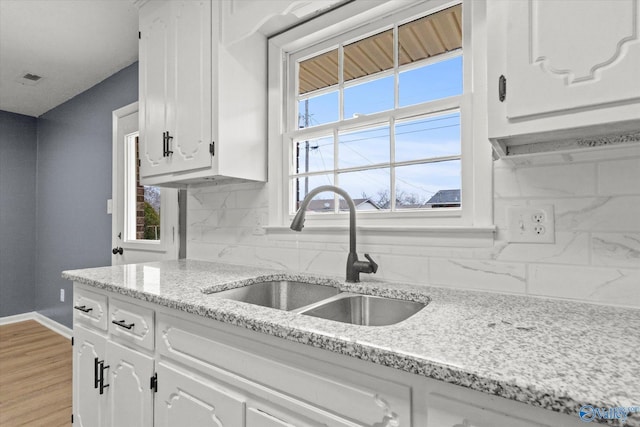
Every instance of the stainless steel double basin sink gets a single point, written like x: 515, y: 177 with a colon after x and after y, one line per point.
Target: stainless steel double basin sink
x: 325, y: 302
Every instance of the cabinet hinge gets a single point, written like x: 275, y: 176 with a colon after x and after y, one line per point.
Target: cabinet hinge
x: 139, y: 35
x: 212, y: 148
x: 502, y: 88
x: 154, y: 382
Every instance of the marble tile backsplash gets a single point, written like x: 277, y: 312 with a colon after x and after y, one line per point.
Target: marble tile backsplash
x: 595, y: 257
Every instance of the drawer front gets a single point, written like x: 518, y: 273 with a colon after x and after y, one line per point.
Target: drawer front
x: 131, y: 323
x: 90, y: 309
x: 362, y: 399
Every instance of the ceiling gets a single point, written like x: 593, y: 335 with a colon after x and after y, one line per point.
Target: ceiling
x: 71, y: 44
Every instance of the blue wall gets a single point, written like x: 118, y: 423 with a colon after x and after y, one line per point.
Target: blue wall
x: 18, y: 145
x: 74, y: 182
x: 55, y: 179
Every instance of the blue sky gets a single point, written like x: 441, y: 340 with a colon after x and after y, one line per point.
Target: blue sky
x: 424, y: 137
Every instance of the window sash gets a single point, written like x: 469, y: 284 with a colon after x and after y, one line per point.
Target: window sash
x: 382, y: 118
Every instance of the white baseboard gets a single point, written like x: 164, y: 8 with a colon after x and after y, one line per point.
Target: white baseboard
x: 17, y: 318
x: 43, y: 320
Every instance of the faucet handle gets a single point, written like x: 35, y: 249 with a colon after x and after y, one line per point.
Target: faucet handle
x: 372, y: 263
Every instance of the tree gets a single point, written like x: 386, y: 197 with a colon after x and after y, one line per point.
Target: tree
x: 383, y: 199
x: 151, y: 222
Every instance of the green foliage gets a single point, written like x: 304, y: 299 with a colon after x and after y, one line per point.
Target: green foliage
x: 151, y: 222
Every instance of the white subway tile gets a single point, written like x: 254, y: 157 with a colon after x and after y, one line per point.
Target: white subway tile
x: 606, y: 214
x: 410, y: 269
x: 594, y: 284
x: 254, y: 198
x: 279, y: 258
x: 569, y: 248
x: 205, y: 198
x: 619, y: 177
x: 565, y: 180
x: 231, y: 254
x: 473, y: 274
x: 328, y: 263
x: 616, y: 249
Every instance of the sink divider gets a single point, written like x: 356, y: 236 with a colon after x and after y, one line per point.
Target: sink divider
x: 341, y: 295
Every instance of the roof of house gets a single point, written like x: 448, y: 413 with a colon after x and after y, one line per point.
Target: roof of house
x: 445, y: 197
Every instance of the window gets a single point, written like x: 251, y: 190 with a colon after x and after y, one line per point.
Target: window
x: 379, y: 101
x: 406, y: 143
x: 143, y: 202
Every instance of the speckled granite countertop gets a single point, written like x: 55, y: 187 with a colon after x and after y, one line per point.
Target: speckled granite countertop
x: 552, y: 354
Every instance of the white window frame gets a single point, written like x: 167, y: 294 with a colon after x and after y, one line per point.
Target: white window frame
x: 475, y: 217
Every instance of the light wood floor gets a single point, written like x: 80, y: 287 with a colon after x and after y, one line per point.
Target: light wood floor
x: 35, y: 376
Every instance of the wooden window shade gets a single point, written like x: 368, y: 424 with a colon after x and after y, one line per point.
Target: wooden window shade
x: 423, y: 38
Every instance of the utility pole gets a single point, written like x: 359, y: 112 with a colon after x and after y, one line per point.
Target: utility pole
x: 306, y: 157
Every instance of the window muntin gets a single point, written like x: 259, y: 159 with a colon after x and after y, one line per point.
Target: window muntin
x: 410, y: 137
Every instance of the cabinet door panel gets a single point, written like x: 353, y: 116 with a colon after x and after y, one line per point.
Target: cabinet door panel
x: 154, y: 56
x: 142, y: 331
x: 257, y: 418
x: 88, y: 404
x: 90, y: 309
x: 191, y: 89
x: 363, y: 399
x: 182, y: 396
x: 129, y: 394
x: 563, y: 56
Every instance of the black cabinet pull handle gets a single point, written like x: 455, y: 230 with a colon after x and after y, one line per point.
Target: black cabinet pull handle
x: 117, y: 250
x: 122, y: 324
x: 101, y: 380
x: 164, y: 144
x: 82, y: 308
x: 166, y: 141
x: 96, y: 373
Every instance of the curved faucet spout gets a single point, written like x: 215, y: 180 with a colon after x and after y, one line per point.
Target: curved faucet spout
x: 354, y: 267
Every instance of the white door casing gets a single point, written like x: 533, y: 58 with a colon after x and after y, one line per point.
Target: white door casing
x: 125, y: 123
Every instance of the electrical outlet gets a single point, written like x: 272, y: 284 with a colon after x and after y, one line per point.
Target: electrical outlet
x: 531, y: 224
x: 61, y: 295
x: 538, y: 217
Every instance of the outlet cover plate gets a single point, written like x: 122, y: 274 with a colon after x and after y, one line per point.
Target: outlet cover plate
x: 531, y: 224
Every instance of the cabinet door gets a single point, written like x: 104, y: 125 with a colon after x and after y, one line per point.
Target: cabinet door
x: 182, y: 396
x: 155, y: 55
x: 190, y: 90
x: 563, y: 55
x: 129, y: 396
x: 88, y: 404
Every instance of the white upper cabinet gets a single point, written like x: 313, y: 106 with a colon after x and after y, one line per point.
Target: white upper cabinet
x: 154, y: 50
x: 202, y: 103
x: 569, y: 72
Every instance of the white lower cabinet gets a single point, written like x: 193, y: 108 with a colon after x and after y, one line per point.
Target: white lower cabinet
x: 111, y: 383
x: 197, y: 372
x: 184, y: 399
x: 89, y: 408
x: 129, y: 395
